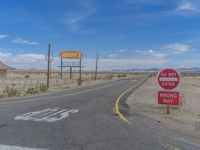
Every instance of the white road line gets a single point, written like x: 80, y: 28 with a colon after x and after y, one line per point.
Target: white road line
x: 53, y: 97
x: 8, y: 147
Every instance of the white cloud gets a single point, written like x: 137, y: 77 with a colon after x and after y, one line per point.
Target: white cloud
x: 5, y: 56
x: 30, y: 58
x: 177, y: 47
x: 149, y: 2
x: 111, y: 64
x: 121, y: 50
x: 3, y: 36
x: 24, y: 61
x: 38, y: 61
x: 156, y: 54
x: 23, y: 42
x: 73, y: 20
x: 114, y: 55
x: 185, y: 5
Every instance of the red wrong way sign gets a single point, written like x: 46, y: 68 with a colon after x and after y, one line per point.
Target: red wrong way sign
x: 168, y: 98
x: 168, y: 79
x: 168, y: 87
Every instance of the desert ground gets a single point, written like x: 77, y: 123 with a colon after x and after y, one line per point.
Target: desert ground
x: 27, y: 82
x: 184, y: 119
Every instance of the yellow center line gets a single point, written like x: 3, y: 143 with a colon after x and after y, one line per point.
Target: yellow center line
x: 121, y: 116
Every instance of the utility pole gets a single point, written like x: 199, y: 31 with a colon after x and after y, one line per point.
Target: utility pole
x: 96, y: 69
x: 80, y: 71
x: 48, y: 64
x: 61, y: 68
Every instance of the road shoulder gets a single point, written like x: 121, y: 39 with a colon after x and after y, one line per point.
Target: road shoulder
x: 144, y: 102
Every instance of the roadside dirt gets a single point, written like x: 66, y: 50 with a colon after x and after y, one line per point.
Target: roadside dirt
x: 184, y: 119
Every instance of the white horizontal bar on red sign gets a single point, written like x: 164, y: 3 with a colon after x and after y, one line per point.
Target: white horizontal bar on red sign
x: 168, y: 79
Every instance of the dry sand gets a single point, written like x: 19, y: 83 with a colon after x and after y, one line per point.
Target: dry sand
x: 184, y: 119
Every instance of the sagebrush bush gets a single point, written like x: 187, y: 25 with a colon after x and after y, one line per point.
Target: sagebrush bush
x: 43, y: 88
x: 109, y: 77
x: 32, y: 91
x: 79, y: 82
x: 11, y: 92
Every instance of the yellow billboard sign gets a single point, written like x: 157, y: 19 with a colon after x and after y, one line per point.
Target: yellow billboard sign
x: 71, y: 54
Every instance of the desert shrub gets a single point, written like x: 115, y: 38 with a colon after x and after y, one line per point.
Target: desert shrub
x: 2, y: 95
x: 27, y: 76
x: 11, y: 92
x: 119, y: 75
x: 43, y: 88
x: 67, y: 86
x: 79, y: 81
x: 124, y: 75
x: 32, y: 91
x: 109, y: 77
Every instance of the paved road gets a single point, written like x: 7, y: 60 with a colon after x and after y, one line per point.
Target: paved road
x: 81, y: 119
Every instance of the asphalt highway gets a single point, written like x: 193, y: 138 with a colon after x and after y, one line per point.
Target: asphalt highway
x: 81, y: 119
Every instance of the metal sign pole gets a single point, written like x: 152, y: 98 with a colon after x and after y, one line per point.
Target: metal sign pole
x: 168, y: 110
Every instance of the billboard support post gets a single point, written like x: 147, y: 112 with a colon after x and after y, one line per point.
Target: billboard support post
x: 70, y: 72
x: 72, y: 55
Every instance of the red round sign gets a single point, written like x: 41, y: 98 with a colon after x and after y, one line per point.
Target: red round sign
x: 168, y: 79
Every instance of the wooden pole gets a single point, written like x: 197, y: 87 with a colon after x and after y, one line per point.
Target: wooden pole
x: 80, y: 71
x: 48, y: 64
x: 61, y: 68
x: 96, y: 69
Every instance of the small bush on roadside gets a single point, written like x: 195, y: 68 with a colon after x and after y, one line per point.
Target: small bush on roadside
x: 109, y: 77
x: 79, y: 81
x: 11, y: 92
x: 119, y: 75
x: 124, y: 75
x: 43, y: 88
x: 32, y: 91
x: 2, y: 95
x: 67, y: 86
x: 27, y: 76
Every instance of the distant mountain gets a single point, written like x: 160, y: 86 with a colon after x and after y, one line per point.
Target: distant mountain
x: 5, y: 67
x: 154, y: 70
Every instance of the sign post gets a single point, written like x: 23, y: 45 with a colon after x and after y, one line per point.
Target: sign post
x: 72, y: 55
x: 168, y: 88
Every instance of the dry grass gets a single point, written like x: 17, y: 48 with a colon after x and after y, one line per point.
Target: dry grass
x: 33, y: 82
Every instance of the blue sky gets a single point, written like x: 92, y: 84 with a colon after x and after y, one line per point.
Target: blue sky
x: 126, y: 33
